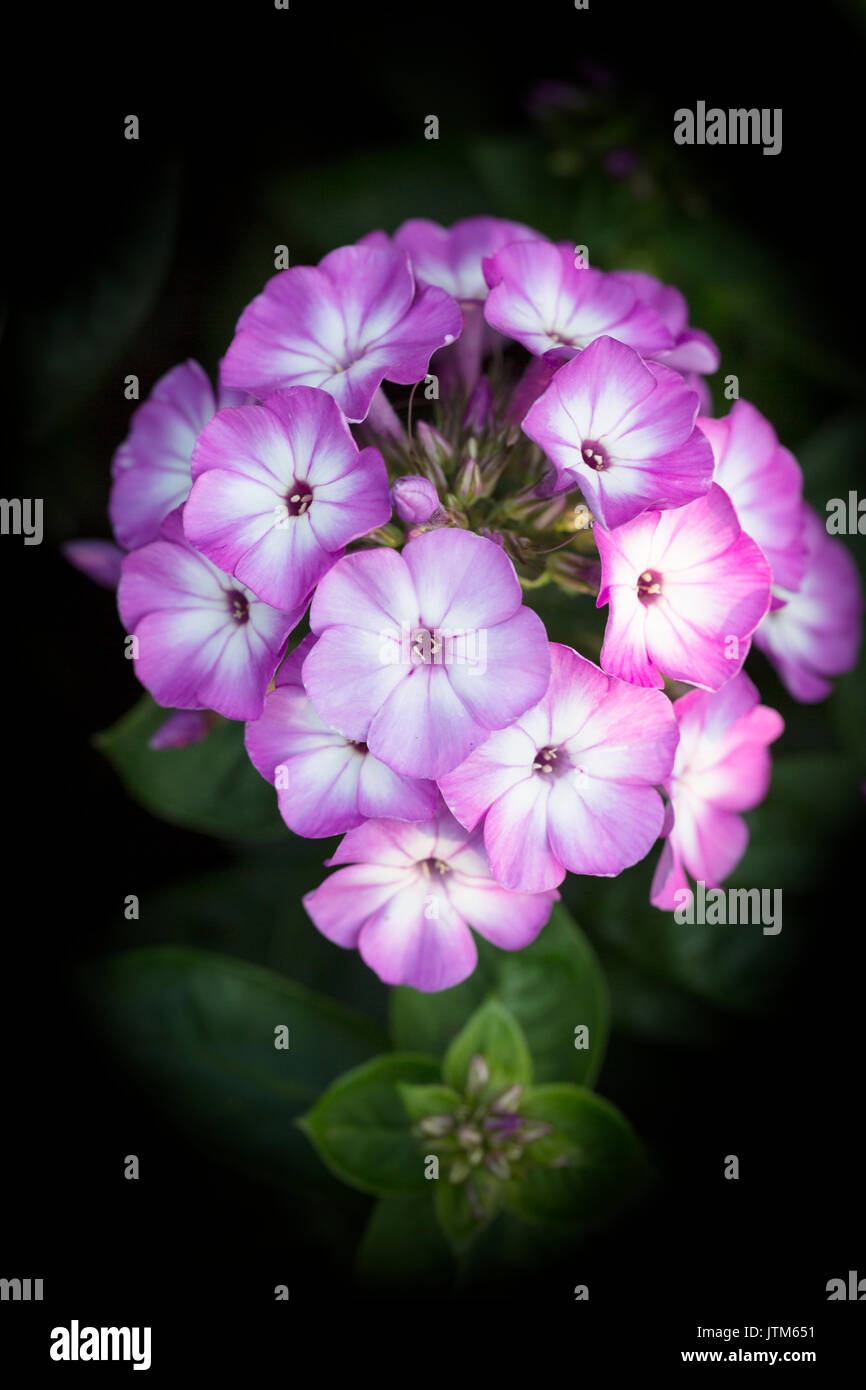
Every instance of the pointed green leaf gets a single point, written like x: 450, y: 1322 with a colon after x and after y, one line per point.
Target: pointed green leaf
x: 494, y: 1034
x: 210, y: 786
x: 603, y: 1162
x: 464, y: 1209
x: 360, y: 1128
x: 198, y: 1030
x: 404, y: 1244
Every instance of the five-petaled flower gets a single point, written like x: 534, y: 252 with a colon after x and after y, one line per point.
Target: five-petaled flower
x: 345, y: 325
x: 280, y: 489
x: 624, y: 430
x: 422, y: 705
x: 686, y: 589
x: 408, y: 895
x: 572, y: 783
x: 204, y: 641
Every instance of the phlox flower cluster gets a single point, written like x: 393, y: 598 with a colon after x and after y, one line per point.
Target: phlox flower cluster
x: 341, y: 544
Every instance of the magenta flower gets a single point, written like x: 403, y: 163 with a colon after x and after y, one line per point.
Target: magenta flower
x: 421, y: 654
x: 816, y: 635
x: 409, y: 895
x: 624, y: 431
x: 345, y: 325
x: 693, y: 350
x: 538, y: 296
x: 414, y: 498
x: 686, y: 589
x: 722, y: 767
x: 280, y: 489
x: 203, y: 640
x: 765, y: 484
x: 326, y: 784
x: 451, y: 257
x: 151, y: 469
x: 572, y: 783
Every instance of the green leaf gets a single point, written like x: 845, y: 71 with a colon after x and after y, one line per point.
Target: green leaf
x: 465, y: 1209
x: 404, y: 1243
x: 253, y: 910
x: 605, y: 1163
x: 493, y: 1033
x: 360, y: 1128
x: 421, y: 1101
x: 553, y: 987
x: 198, y: 1030
x: 210, y: 786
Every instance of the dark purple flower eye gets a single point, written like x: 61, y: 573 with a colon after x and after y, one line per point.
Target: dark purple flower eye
x: 649, y: 586
x: 239, y: 606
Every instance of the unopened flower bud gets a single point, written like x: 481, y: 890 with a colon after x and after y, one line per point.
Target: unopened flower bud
x: 477, y: 1076
x: 509, y: 1100
x: 577, y: 574
x: 436, y: 1125
x: 467, y: 484
x: 435, y: 451
x: 459, y: 1170
x: 414, y: 498
x: 535, y: 1129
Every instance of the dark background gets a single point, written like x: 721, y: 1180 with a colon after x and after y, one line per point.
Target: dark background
x: 306, y: 127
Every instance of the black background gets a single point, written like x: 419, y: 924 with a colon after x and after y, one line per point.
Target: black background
x: 225, y: 95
